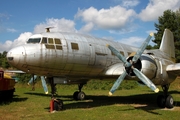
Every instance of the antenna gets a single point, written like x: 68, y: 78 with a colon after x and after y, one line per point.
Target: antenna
x: 48, y: 29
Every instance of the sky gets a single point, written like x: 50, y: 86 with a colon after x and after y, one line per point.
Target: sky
x: 125, y: 21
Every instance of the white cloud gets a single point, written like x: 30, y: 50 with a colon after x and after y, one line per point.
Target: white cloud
x: 87, y: 28
x: 58, y: 24
x: 133, y: 41
x: 130, y: 3
x: 114, y: 18
x: 11, y: 30
x: 5, y: 46
x: 155, y: 8
x: 19, y: 41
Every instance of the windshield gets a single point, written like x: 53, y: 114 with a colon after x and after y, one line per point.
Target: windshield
x: 34, y: 40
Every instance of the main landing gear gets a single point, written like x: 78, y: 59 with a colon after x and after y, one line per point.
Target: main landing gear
x: 57, y: 104
x: 165, y: 100
x: 79, y: 95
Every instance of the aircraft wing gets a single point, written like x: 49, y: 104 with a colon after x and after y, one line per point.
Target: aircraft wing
x: 173, y: 69
x: 14, y: 71
x: 116, y: 69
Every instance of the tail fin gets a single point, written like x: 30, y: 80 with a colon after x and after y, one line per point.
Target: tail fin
x: 167, y: 44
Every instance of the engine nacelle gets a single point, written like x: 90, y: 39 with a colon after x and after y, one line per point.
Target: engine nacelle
x: 149, y: 67
x: 146, y: 64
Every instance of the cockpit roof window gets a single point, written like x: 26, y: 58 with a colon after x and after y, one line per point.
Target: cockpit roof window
x: 34, y: 40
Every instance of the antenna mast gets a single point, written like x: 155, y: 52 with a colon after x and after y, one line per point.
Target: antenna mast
x: 48, y: 29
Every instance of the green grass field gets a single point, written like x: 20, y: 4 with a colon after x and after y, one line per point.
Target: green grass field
x: 138, y: 103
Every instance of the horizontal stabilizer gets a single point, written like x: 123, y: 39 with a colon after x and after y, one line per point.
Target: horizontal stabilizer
x: 173, y: 69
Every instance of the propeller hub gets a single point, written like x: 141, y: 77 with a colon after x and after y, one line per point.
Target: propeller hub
x: 133, y: 65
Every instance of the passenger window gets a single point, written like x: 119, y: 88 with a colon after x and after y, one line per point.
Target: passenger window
x: 50, y: 41
x: 74, y: 46
x: 122, y: 53
x: 44, y: 40
x: 58, y: 47
x: 112, y: 53
x: 50, y: 46
x: 129, y: 53
x: 57, y: 41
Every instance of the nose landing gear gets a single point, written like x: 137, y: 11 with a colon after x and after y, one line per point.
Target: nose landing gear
x: 55, y: 104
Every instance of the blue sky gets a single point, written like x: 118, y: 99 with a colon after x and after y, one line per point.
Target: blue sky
x: 126, y: 21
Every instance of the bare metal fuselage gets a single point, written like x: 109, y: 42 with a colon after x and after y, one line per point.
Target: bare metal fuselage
x: 81, y: 57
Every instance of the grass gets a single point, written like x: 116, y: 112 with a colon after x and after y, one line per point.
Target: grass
x: 138, y: 103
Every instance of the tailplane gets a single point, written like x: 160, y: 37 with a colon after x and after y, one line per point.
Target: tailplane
x: 167, y: 44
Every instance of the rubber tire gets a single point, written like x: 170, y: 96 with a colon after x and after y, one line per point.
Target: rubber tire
x: 169, y: 102
x: 81, y: 96
x: 161, y: 101
x: 58, y: 105
x: 75, y: 95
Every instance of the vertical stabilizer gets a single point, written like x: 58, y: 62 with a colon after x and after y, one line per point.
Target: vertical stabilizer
x: 167, y: 44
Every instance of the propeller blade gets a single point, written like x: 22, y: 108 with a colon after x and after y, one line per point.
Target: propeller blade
x: 31, y: 80
x: 142, y: 48
x: 44, y: 85
x: 145, y: 80
x: 117, y: 83
x: 119, y: 55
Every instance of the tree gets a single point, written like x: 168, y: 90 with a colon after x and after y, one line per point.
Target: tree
x: 170, y: 20
x: 3, y: 60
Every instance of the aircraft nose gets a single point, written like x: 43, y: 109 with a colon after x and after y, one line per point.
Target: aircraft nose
x: 14, y: 55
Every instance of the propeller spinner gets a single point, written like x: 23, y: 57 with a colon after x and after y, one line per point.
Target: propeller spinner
x: 130, y: 66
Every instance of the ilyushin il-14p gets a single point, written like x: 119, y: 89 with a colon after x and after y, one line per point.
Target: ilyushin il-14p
x: 72, y: 58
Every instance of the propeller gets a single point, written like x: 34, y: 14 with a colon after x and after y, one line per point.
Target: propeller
x: 42, y: 80
x: 130, y: 66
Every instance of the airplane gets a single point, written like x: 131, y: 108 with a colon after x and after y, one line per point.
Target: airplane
x: 73, y: 58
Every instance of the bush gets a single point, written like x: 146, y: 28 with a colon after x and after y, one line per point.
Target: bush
x: 106, y: 85
x: 91, y: 85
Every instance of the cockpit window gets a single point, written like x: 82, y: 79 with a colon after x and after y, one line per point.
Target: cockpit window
x: 34, y: 40
x: 44, y: 40
x: 50, y: 41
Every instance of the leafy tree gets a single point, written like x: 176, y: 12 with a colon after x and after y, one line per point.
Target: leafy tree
x: 3, y: 60
x: 23, y: 78
x: 170, y: 20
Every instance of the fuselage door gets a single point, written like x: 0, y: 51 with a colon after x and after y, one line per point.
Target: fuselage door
x: 92, y: 54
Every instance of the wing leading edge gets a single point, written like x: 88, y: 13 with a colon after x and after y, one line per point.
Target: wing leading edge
x: 173, y: 69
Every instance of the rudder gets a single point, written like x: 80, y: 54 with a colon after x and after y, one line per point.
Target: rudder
x: 167, y: 44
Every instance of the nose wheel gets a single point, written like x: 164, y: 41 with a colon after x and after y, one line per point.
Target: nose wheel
x: 55, y: 104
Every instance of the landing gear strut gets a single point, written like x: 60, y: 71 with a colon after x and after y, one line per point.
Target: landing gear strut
x: 165, y: 100
x: 79, y: 95
x: 55, y: 104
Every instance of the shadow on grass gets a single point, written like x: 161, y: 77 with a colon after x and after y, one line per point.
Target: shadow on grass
x: 146, y: 102
x: 10, y: 100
